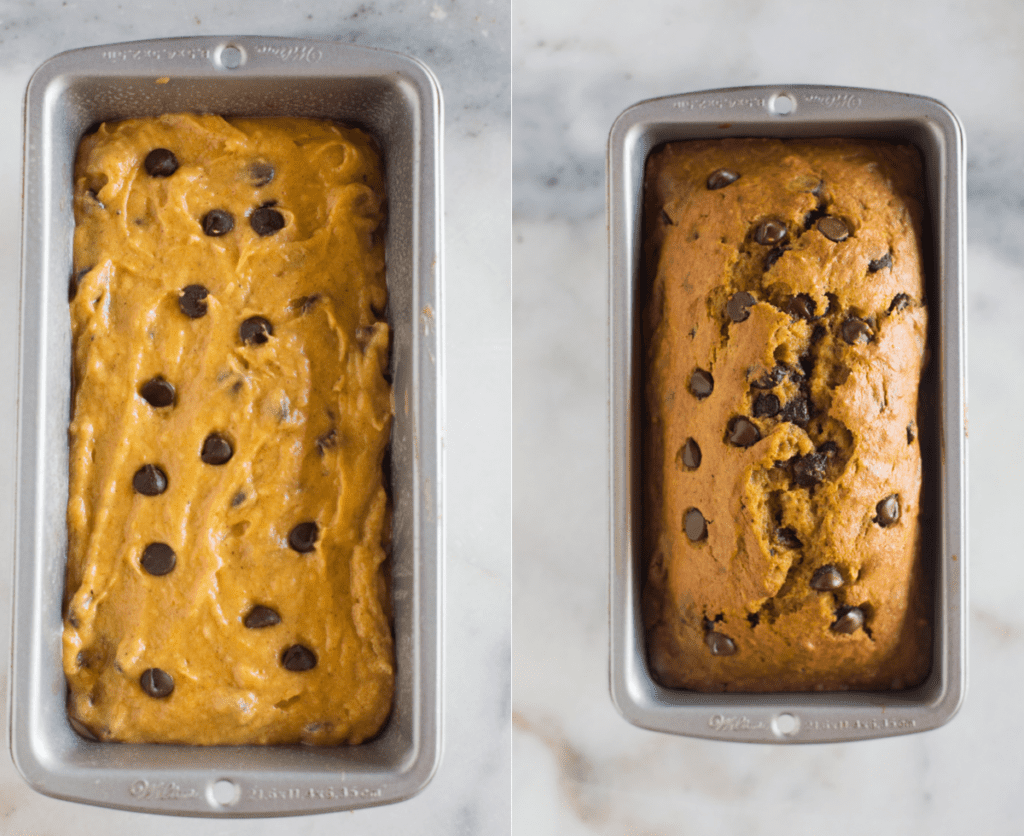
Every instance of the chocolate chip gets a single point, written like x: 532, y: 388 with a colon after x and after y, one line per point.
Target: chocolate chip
x: 695, y: 525
x: 773, y: 255
x: 766, y: 406
x: 260, y: 174
x: 156, y: 683
x: 856, y: 331
x: 899, y: 303
x: 771, y: 233
x: 742, y: 432
x: 303, y: 537
x: 833, y: 228
x: 157, y: 392
x: 73, y: 283
x: 818, y: 332
x: 217, y: 222
x: 911, y: 432
x: 266, y: 221
x: 260, y: 616
x: 298, y: 658
x: 888, y: 511
x: 149, y: 480
x: 216, y: 449
x: 815, y: 215
x: 848, y: 620
x: 719, y: 644
x: 796, y: 411
x: 771, y: 378
x: 255, y: 330
x: 326, y: 441
x: 192, y: 301
x: 722, y: 178
x: 826, y: 578
x: 880, y: 263
x: 801, y: 306
x: 809, y: 470
x: 690, y: 454
x: 238, y: 499
x: 738, y: 308
x: 786, y: 537
x: 161, y: 163
x: 754, y: 618
x: 702, y: 384
x: 829, y: 448
x: 158, y: 559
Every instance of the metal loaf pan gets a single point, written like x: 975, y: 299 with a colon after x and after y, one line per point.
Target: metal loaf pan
x: 398, y: 101
x: 796, y: 111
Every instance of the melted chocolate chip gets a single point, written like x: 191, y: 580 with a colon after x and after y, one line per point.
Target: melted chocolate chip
x: 722, y: 178
x: 773, y: 256
x: 826, y: 578
x: 719, y: 644
x: 880, y: 263
x: 743, y: 433
x: 738, y: 307
x: 696, y: 526
x: 260, y: 174
x: 298, y: 658
x: 217, y: 222
x: 786, y: 537
x: 833, y: 228
x: 690, y: 454
x: 702, y: 384
x: 888, y: 511
x: 216, y: 449
x: 255, y: 330
x: 848, y: 620
x: 149, y: 480
x: 260, y: 616
x: 161, y: 163
x: 856, y: 331
x: 771, y: 378
x: 899, y: 303
x: 766, y: 406
x: 157, y: 392
x: 809, y: 470
x: 801, y: 306
x: 158, y: 559
x: 192, y: 301
x: 266, y: 221
x: 771, y: 233
x: 303, y: 537
x: 796, y: 411
x: 157, y: 683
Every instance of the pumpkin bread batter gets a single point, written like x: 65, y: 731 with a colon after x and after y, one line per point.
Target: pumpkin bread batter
x: 227, y: 517
x: 785, y: 339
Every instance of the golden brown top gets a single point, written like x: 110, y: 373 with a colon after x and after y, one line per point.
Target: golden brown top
x: 785, y: 337
x: 227, y: 521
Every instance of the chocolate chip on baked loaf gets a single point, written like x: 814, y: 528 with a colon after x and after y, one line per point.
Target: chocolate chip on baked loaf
x: 192, y: 301
x: 810, y: 470
x: 738, y: 308
x: 266, y: 221
x: 298, y: 658
x: 719, y: 644
x: 158, y: 559
x: 833, y: 228
x: 689, y: 454
x: 695, y: 525
x: 796, y: 411
x: 259, y: 617
x: 771, y: 378
x: 801, y: 306
x: 848, y: 620
x: 216, y: 449
x: 721, y: 178
x: 157, y: 392
x: 786, y: 537
x: 218, y: 222
x: 888, y: 511
x: 743, y: 432
x: 856, y: 331
x: 702, y: 384
x: 899, y: 303
x: 255, y: 330
x: 880, y: 263
x: 149, y: 480
x: 766, y: 405
x: 771, y: 233
x: 157, y: 683
x: 160, y: 162
x: 826, y: 579
x: 303, y: 537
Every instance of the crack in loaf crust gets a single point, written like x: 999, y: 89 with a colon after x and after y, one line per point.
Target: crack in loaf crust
x: 227, y: 518
x: 785, y: 339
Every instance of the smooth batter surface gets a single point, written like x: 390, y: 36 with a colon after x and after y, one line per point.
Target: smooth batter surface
x: 307, y: 413
x: 735, y: 607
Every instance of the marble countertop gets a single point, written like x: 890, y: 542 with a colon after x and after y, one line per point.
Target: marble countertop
x: 578, y: 767
x: 466, y: 44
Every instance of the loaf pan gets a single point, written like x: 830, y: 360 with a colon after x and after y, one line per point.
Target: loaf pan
x: 795, y: 111
x: 398, y: 101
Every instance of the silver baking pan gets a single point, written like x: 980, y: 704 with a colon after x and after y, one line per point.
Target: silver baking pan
x: 796, y: 111
x: 398, y: 101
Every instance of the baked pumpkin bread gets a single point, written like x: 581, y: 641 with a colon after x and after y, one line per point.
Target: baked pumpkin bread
x: 784, y: 344
x: 227, y: 517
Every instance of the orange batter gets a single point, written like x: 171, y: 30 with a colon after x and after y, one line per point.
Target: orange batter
x: 227, y: 519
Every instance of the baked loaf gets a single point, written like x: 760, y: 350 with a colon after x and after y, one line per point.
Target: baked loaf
x: 785, y: 340
x: 227, y: 519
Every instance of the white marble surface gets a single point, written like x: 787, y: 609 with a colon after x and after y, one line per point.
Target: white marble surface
x: 466, y: 43
x: 578, y: 767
